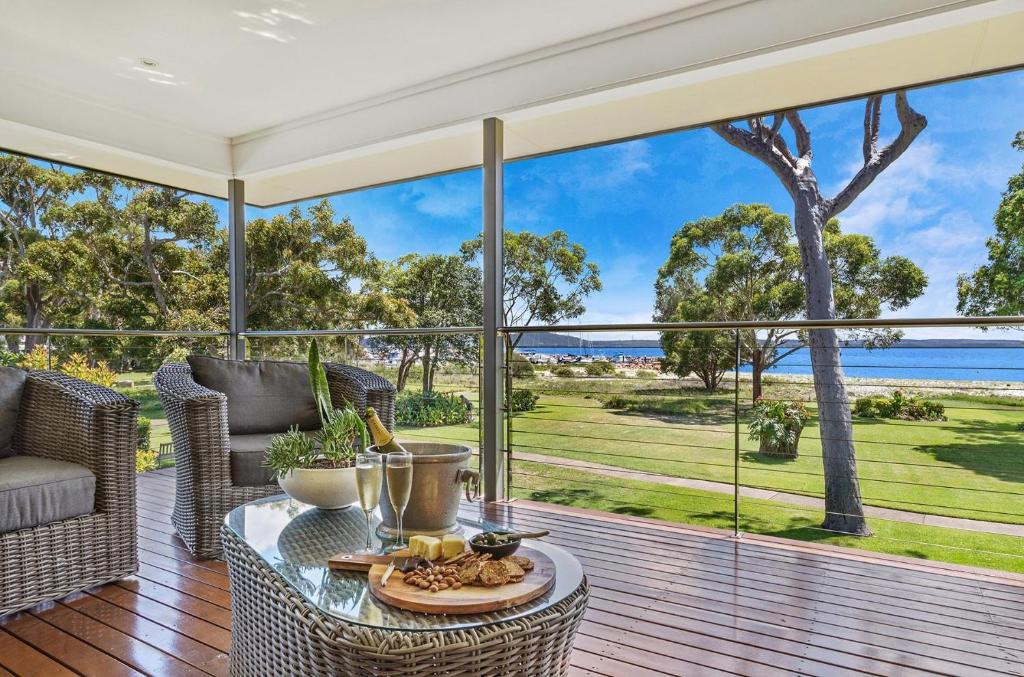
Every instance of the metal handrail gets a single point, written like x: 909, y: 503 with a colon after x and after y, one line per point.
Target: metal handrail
x: 50, y: 331
x: 998, y: 321
x: 391, y: 331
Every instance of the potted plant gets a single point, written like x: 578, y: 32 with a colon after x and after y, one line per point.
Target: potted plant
x: 320, y: 470
x: 777, y: 425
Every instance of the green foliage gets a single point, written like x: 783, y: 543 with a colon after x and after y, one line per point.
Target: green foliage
x: 666, y: 406
x: 435, y: 291
x: 997, y: 287
x: 145, y: 460
x: 521, y: 367
x: 9, y: 359
x: 899, y: 406
x: 143, y: 427
x: 430, y: 409
x: 36, y: 358
x: 744, y: 264
x: 646, y: 374
x: 599, y: 368
x: 342, y: 435
x: 998, y: 400
x: 77, y: 365
x: 523, y: 400
x: 318, y: 382
x: 84, y: 249
x: 547, y: 277
x: 342, y: 431
x: 290, y: 451
x: 777, y: 422
x: 706, y: 354
x: 563, y: 371
x: 1020, y: 426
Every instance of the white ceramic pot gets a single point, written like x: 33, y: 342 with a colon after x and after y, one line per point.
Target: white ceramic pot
x: 326, y: 488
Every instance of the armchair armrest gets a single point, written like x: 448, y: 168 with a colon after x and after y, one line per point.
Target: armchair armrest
x: 68, y: 419
x: 362, y: 389
x: 198, y: 419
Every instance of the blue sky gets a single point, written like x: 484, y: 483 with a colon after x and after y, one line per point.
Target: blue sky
x: 623, y: 202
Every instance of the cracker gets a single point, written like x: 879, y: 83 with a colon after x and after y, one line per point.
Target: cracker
x: 493, y: 574
x: 469, y: 573
x: 514, y: 570
x: 524, y: 562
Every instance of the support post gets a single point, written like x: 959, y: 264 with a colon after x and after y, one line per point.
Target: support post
x: 736, y: 442
x: 236, y: 268
x: 492, y: 406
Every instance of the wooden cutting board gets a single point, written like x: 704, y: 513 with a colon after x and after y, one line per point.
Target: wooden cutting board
x: 469, y: 599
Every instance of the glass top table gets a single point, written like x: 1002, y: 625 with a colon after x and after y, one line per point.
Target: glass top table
x: 296, y: 540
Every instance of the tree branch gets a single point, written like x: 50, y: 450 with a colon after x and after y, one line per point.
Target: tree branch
x: 912, y: 124
x: 775, y: 155
x: 803, y: 137
x: 872, y: 125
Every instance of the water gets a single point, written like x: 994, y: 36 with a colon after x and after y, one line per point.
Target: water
x: 938, y: 363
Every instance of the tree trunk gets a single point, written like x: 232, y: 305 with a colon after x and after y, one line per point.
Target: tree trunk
x: 404, y: 365
x: 844, y: 510
x: 33, y: 315
x: 757, y: 367
x: 427, y: 385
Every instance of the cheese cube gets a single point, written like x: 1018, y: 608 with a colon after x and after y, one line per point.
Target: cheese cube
x: 425, y: 546
x: 452, y: 545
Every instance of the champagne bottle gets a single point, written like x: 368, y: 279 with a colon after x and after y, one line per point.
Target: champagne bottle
x: 385, y: 441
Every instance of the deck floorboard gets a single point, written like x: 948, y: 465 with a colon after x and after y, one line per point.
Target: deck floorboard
x: 667, y: 600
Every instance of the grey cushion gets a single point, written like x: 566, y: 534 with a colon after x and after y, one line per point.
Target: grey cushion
x: 263, y: 396
x: 248, y: 453
x: 36, y: 491
x: 12, y: 383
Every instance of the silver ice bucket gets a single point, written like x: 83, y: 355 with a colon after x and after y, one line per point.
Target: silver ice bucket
x: 440, y: 477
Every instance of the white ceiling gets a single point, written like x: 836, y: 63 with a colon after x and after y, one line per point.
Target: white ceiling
x: 304, y: 97
x: 233, y: 67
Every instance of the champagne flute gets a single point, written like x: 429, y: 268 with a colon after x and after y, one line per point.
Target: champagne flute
x: 399, y: 471
x: 369, y: 477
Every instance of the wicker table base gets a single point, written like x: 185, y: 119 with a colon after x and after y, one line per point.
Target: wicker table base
x: 275, y: 631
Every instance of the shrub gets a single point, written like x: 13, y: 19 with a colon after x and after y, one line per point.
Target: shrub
x: 667, y: 406
x: 899, y: 406
x: 34, y: 359
x: 646, y: 374
x: 145, y: 460
x: 777, y: 423
x: 76, y: 365
x: 599, y: 368
x: 1020, y: 426
x: 9, y: 359
x: 430, y: 409
x: 523, y: 400
x: 563, y: 371
x: 521, y: 367
x: 143, y: 426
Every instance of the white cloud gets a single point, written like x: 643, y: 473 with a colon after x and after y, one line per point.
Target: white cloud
x: 447, y: 197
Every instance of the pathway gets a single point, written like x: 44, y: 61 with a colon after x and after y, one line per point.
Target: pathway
x: 778, y: 496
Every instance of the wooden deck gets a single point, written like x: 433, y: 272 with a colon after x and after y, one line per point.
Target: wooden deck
x: 667, y: 600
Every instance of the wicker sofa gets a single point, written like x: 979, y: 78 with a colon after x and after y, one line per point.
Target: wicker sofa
x: 67, y: 487
x: 216, y: 465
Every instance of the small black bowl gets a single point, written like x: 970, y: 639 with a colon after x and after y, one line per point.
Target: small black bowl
x: 496, y: 551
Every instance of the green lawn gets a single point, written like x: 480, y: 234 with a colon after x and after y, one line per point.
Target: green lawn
x: 565, y: 486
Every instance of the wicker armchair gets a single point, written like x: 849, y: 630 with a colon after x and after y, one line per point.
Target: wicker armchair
x: 66, y: 419
x: 198, y: 420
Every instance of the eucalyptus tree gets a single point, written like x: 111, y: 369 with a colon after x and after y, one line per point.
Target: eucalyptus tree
x: 744, y: 265
x: 440, y: 291
x: 762, y: 138
x: 28, y: 191
x: 997, y: 287
x: 547, y: 277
